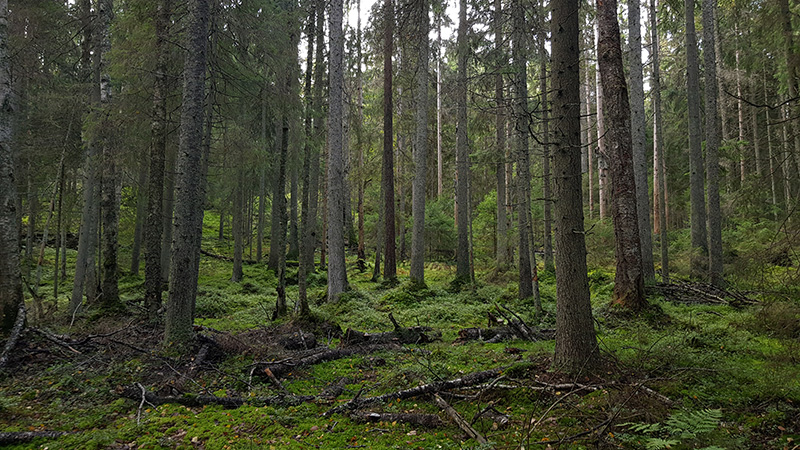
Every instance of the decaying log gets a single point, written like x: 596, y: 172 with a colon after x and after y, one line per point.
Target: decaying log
x: 463, y: 424
x: 299, y: 340
x: 283, y: 367
x: 135, y: 393
x: 401, y: 335
x: 18, y: 437
x: 694, y: 292
x: 16, y: 332
x: 467, y: 380
x: 421, y: 420
x: 58, y: 340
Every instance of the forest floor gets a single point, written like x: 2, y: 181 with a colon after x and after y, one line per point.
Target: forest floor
x: 689, y: 374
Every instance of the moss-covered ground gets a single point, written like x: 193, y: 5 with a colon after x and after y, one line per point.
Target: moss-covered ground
x: 675, y: 376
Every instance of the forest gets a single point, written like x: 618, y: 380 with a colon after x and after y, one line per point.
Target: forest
x: 416, y: 224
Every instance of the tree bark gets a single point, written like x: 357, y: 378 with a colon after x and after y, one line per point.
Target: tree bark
x: 712, y: 147
x: 189, y: 185
x: 337, y: 275
x: 277, y: 239
x: 696, y: 189
x: 639, y: 138
x: 141, y: 212
x: 238, y: 224
x: 576, y: 344
x: 547, y: 188
x: 10, y: 277
x: 500, y: 138
x: 417, y: 272
x: 629, y: 280
x: 659, y: 168
x: 462, y: 151
x: 387, y: 167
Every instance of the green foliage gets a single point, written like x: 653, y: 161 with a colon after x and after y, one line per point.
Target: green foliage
x: 681, y: 427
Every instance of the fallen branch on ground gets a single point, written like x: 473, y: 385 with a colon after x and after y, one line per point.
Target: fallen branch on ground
x: 467, y: 380
x: 286, y: 366
x: 402, y: 335
x: 135, y: 393
x: 702, y: 293
x: 463, y: 424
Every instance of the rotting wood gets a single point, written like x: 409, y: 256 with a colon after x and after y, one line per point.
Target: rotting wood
x: 684, y: 292
x: 283, y: 367
x: 19, y: 437
x: 467, y: 380
x: 421, y: 420
x: 463, y: 424
x: 135, y: 393
x: 16, y: 332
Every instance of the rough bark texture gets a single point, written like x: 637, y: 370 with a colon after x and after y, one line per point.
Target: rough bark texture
x: 417, y: 273
x: 522, y: 123
x: 109, y: 202
x: 602, y: 164
x: 712, y: 147
x: 629, y: 280
x: 387, y: 174
x: 500, y: 130
x: 138, y: 228
x: 238, y: 226
x: 576, y: 344
x: 696, y: 195
x: 10, y: 278
x: 462, y: 151
x: 639, y: 137
x: 277, y: 238
x: 547, y: 187
x: 337, y: 276
x: 659, y: 172
x: 189, y: 185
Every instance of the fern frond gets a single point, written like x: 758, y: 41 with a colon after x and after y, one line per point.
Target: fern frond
x: 659, y: 444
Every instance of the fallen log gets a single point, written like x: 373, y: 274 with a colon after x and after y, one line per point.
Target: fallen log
x: 463, y: 424
x: 135, y: 393
x: 467, y: 380
x: 420, y: 420
x: 19, y: 437
x: 285, y: 366
x: 684, y: 292
x: 16, y: 332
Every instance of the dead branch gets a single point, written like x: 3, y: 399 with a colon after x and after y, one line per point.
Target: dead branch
x: 16, y: 332
x: 421, y: 420
x: 286, y: 366
x: 463, y: 424
x: 18, y: 437
x: 684, y: 292
x: 54, y: 339
x: 467, y: 380
x: 134, y: 393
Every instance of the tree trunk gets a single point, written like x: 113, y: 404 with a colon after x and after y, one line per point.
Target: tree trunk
x: 417, y: 272
x: 294, y: 236
x: 576, y: 344
x: 659, y: 172
x: 237, y: 224
x: 337, y: 275
x: 280, y: 210
x: 522, y: 123
x: 189, y: 184
x: 712, y: 147
x: 500, y: 133
x: 10, y: 278
x: 592, y: 149
x: 696, y: 192
x: 462, y: 151
x: 770, y: 155
x: 629, y: 280
x: 387, y: 168
x: 546, y: 175
x: 602, y: 163
x: 361, y: 254
x: 639, y: 138
x: 168, y: 215
x: 138, y: 228
x: 277, y: 239
x: 439, y: 156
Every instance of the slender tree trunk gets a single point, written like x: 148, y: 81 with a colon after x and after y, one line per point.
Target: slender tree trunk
x: 639, y: 138
x: 546, y: 175
x: 756, y: 134
x: 238, y: 224
x: 590, y: 151
x: 361, y: 255
x: 294, y: 236
x: 696, y: 190
x: 141, y: 212
x: 522, y: 121
x: 740, y: 112
x: 189, y: 211
x: 791, y: 73
x: 337, y: 275
x: 387, y: 168
x: 417, y: 272
x: 576, y: 344
x: 462, y: 151
x: 629, y: 279
x: 50, y: 212
x: 772, y: 169
x: 280, y: 215
x: 10, y: 278
x: 659, y: 174
x: 439, y: 158
x: 168, y: 214
x: 500, y: 133
x: 276, y: 243
x: 712, y: 148
x: 602, y: 163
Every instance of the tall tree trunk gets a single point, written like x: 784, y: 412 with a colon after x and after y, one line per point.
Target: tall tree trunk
x: 277, y: 244
x: 639, y: 138
x: 417, y: 272
x: 141, y: 212
x: 439, y: 156
x: 522, y: 122
x: 361, y: 255
x: 337, y: 275
x: 262, y: 171
x: 602, y: 163
x: 189, y: 184
x: 279, y: 217
x: 696, y: 187
x: 576, y: 344
x: 758, y: 156
x: 168, y: 214
x: 10, y: 278
x: 546, y: 175
x: 770, y: 155
x: 592, y: 149
x: 462, y: 151
x: 629, y: 279
x: 792, y: 64
x: 237, y: 224
x: 387, y: 167
x: 294, y: 236
x: 659, y: 172
x: 740, y: 111
x: 712, y: 147
x: 500, y: 133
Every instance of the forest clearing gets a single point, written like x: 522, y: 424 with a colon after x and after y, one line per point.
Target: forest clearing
x: 410, y: 224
